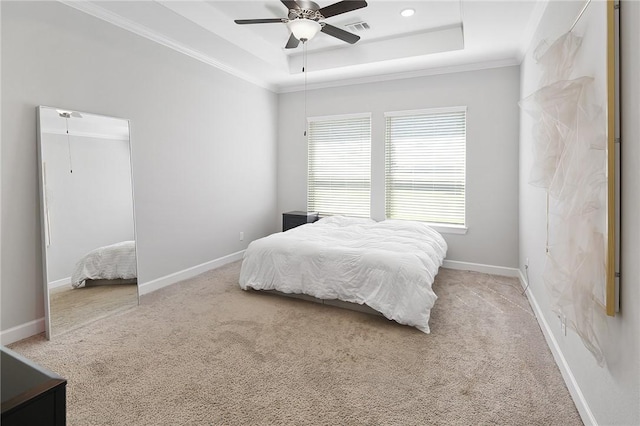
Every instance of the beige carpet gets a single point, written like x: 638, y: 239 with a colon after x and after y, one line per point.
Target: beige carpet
x: 73, y: 308
x: 205, y: 352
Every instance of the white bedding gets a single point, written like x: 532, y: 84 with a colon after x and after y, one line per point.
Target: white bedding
x: 389, y: 265
x: 116, y: 261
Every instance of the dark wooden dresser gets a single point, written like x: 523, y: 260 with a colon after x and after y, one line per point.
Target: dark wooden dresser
x: 297, y: 218
x: 31, y: 395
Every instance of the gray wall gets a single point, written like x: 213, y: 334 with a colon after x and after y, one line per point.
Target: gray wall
x: 203, y: 141
x: 611, y: 393
x: 492, y: 149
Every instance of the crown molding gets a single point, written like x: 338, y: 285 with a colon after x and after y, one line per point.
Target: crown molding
x: 117, y: 20
x: 402, y: 75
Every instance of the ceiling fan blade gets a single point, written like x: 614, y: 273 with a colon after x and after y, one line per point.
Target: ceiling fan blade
x: 290, y: 4
x: 342, y: 7
x: 258, y: 21
x: 292, y: 43
x: 341, y: 34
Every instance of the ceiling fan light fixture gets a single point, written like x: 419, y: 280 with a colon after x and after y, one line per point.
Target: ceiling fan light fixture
x: 304, y: 29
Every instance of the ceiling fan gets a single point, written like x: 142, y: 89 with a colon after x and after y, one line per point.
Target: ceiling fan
x: 304, y: 20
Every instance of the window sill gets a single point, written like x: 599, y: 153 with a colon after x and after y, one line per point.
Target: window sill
x: 448, y: 229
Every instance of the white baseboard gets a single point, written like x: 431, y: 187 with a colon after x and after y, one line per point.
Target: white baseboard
x: 578, y: 398
x: 478, y: 267
x: 167, y: 280
x: 22, y: 331
x: 59, y: 283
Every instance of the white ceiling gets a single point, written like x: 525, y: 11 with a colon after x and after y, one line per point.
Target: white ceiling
x: 444, y: 35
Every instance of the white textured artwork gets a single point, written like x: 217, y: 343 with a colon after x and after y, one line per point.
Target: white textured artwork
x: 570, y: 164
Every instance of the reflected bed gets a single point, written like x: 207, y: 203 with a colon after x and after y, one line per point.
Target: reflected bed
x: 112, y: 264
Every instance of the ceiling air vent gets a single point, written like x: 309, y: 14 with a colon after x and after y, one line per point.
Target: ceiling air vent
x: 357, y: 26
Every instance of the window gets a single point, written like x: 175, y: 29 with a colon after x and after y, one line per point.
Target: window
x: 339, y: 177
x: 425, y: 165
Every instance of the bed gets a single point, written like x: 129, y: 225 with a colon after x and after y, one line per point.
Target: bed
x: 389, y: 266
x: 112, y: 264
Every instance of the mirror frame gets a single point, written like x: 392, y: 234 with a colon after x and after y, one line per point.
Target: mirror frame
x: 41, y: 177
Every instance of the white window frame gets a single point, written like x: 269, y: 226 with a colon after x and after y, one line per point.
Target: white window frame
x: 441, y: 227
x: 364, y: 168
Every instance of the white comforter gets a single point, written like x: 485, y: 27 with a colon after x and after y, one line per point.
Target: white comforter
x: 389, y: 265
x: 116, y: 261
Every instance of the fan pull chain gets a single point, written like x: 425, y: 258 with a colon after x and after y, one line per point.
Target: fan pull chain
x: 304, y: 71
x: 66, y: 120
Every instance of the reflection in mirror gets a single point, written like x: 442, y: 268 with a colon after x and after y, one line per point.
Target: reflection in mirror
x: 88, y: 235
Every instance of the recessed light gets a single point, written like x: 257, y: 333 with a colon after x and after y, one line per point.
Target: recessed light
x: 407, y: 12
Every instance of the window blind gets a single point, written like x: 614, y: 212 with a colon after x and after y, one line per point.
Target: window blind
x: 339, y: 173
x: 425, y: 165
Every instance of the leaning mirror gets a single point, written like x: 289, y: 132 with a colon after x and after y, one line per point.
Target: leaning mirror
x: 88, y: 232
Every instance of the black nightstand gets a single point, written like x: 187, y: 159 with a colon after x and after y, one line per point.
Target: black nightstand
x: 297, y: 218
x: 31, y: 395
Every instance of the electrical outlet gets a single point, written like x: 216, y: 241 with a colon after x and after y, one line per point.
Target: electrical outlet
x: 241, y: 236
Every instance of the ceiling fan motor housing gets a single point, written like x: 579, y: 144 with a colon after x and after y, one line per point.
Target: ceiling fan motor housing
x: 312, y: 15
x: 307, y: 4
